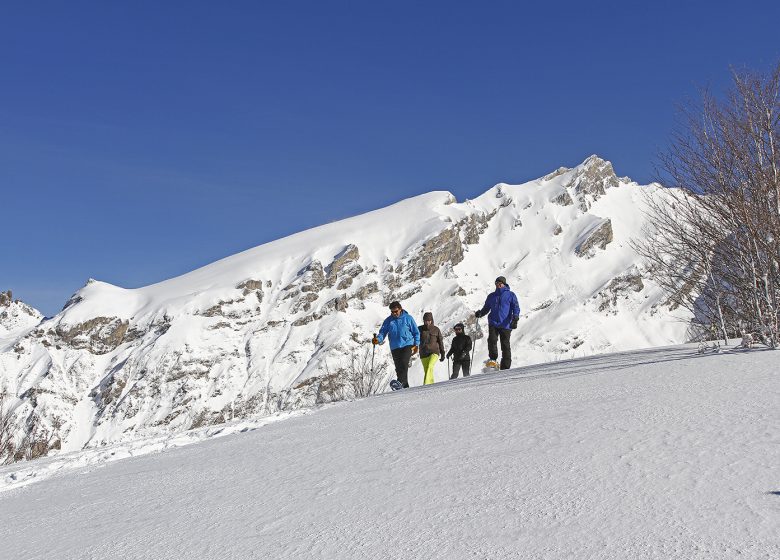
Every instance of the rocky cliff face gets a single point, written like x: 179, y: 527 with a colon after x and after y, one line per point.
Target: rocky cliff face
x: 265, y: 330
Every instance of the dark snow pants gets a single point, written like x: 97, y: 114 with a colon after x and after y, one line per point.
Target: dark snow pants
x: 494, y: 333
x: 401, y: 358
x: 456, y: 369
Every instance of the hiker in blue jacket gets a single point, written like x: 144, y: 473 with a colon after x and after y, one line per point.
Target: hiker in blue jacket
x: 404, y: 338
x: 504, y: 311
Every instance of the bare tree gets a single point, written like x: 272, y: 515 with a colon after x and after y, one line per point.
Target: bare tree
x: 713, y: 242
x: 366, y: 377
x: 37, y: 439
x: 7, y: 446
x: 361, y: 377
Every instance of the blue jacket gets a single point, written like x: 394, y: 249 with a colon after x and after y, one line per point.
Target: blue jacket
x: 503, y: 307
x: 401, y: 331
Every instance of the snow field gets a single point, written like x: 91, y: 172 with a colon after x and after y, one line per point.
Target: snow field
x: 661, y: 453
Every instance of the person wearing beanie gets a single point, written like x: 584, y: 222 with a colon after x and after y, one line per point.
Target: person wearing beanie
x: 431, y: 347
x: 503, y: 312
x: 460, y: 349
x: 404, y: 338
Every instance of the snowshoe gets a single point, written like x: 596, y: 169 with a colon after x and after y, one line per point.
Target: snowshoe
x: 395, y: 385
x: 490, y: 366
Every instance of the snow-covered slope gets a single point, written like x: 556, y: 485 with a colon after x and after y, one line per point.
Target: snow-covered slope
x: 16, y: 318
x: 655, y: 454
x: 255, y: 332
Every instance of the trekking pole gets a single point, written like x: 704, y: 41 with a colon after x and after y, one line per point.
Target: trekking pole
x: 474, y: 346
x: 373, y: 351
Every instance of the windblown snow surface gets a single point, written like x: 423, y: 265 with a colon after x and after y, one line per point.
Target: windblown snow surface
x: 659, y: 453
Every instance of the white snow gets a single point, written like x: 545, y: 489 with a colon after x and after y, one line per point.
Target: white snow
x: 658, y: 453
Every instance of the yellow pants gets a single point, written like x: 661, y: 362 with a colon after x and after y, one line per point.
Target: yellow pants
x: 428, y: 362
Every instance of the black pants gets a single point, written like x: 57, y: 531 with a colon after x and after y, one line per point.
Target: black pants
x: 456, y: 369
x: 401, y: 358
x: 494, y: 333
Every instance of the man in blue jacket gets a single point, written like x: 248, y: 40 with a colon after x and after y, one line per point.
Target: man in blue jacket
x: 404, y: 338
x: 504, y: 311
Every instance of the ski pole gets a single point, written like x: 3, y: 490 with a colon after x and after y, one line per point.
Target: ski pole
x: 474, y: 346
x: 448, y: 368
x: 373, y: 351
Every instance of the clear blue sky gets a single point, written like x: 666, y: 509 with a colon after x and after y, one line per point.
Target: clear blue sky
x: 141, y: 140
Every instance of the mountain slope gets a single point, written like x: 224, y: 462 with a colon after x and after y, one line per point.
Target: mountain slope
x: 16, y: 318
x: 661, y: 453
x: 255, y: 332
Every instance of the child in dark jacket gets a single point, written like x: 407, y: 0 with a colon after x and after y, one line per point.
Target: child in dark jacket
x: 459, y: 350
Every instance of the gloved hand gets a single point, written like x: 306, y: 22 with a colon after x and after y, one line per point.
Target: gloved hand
x: 478, y: 314
x: 414, y: 350
x: 514, y: 323
x: 375, y: 340
x: 441, y: 359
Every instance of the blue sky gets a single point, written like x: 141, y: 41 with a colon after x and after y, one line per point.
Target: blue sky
x: 141, y: 140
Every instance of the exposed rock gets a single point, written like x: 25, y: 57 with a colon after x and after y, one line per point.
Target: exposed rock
x: 474, y: 226
x: 557, y: 173
x: 6, y: 298
x: 336, y: 304
x: 620, y: 286
x: 406, y: 294
x: 311, y: 278
x: 446, y: 247
x: 557, y: 230
x: 249, y: 286
x: 598, y: 238
x: 563, y: 199
x: 100, y: 335
x: 366, y: 291
x: 344, y: 266
x: 591, y: 182
x: 544, y: 305
x: 305, y: 301
x: 459, y: 292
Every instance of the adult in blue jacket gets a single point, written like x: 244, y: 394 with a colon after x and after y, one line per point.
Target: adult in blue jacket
x: 404, y: 336
x: 503, y: 311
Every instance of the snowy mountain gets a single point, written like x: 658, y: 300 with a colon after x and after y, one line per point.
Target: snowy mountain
x: 256, y: 332
x: 656, y: 454
x: 16, y: 317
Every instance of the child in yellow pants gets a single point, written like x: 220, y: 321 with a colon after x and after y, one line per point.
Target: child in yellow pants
x: 428, y: 362
x: 431, y: 346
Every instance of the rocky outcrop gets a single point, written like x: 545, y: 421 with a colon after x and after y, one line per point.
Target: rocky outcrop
x: 620, y: 287
x: 15, y: 315
x: 336, y: 304
x: 312, y: 277
x: 446, y: 247
x: 597, y: 238
x: 344, y: 268
x: 252, y: 286
x: 557, y: 173
x: 592, y: 181
x: 474, y: 226
x: 365, y: 291
x: 562, y: 199
x: 100, y: 335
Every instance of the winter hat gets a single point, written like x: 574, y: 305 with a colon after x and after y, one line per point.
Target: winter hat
x: 460, y: 326
x: 428, y: 315
x: 501, y: 279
